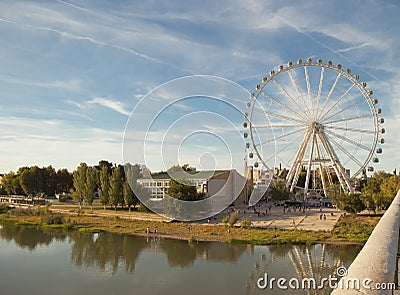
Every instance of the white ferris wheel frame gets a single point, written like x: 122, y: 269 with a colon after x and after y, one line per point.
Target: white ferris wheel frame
x: 315, y: 133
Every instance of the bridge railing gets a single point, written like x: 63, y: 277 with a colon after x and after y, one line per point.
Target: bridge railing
x: 374, y: 268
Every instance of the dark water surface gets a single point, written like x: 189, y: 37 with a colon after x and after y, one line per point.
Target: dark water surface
x: 36, y: 261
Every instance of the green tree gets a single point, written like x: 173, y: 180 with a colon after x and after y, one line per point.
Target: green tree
x: 104, y: 186
x: 48, y: 180
x: 31, y: 180
x: 389, y: 188
x: 79, y: 183
x: 181, y: 191
x: 233, y: 218
x: 90, y: 185
x: 105, y: 163
x: 129, y: 196
x: 132, y: 172
x: 64, y: 181
x: 278, y: 190
x: 373, y: 196
x: 115, y: 192
x: 10, y: 183
x: 351, y: 203
x: 333, y: 191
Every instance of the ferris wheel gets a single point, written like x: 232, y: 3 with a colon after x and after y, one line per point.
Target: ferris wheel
x: 314, y: 124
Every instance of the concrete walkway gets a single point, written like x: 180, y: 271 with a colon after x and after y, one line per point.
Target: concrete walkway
x: 277, y: 218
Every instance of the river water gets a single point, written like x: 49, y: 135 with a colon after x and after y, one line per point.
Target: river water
x: 36, y: 261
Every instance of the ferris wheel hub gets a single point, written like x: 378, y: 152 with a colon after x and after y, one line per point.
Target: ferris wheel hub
x: 317, y: 126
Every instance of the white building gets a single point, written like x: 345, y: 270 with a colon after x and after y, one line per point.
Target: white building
x: 209, y: 182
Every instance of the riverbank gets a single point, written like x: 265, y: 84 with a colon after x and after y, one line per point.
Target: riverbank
x: 349, y: 229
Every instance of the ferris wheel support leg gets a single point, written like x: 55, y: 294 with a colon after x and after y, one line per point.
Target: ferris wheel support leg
x: 337, y: 166
x: 309, y: 164
x: 293, y: 175
x: 321, y: 170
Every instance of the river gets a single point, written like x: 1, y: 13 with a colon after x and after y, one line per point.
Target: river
x: 37, y: 261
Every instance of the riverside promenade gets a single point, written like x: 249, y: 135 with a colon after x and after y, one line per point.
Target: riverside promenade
x: 276, y: 217
x: 311, y: 219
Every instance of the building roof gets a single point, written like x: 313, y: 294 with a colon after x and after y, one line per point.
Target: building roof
x: 195, y: 175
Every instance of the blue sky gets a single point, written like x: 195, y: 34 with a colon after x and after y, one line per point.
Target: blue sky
x: 72, y: 71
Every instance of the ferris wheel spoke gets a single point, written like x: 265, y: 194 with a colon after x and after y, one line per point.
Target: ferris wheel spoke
x: 330, y: 93
x: 299, y: 95
x: 348, y: 119
x: 354, y: 105
x: 309, y: 91
x: 348, y: 140
x: 280, y: 137
x: 279, y: 126
x: 286, y: 146
x: 280, y: 116
x: 351, y: 129
x: 285, y: 93
x: 337, y: 101
x: 283, y: 105
x: 321, y: 79
x: 348, y: 154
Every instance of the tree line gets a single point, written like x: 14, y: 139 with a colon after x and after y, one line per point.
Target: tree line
x: 107, y: 181
x: 375, y: 193
x: 36, y: 181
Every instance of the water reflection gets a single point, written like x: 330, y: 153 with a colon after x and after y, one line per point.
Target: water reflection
x: 234, y: 268
x: 111, y: 251
x: 301, y: 262
x: 29, y: 238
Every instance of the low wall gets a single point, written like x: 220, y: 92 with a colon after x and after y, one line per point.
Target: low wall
x: 378, y: 258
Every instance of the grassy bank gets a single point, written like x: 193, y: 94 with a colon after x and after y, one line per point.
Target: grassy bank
x: 354, y: 229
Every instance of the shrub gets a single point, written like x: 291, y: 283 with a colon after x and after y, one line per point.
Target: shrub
x: 52, y: 219
x: 244, y: 223
x: 65, y: 197
x: 47, y: 208
x: 225, y: 220
x: 21, y: 212
x: 38, y: 210
x: 233, y: 218
x: 4, y: 208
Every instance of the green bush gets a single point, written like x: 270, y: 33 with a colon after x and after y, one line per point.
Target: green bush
x: 225, y: 220
x: 4, y: 208
x: 233, y: 218
x: 52, y: 219
x: 47, y: 208
x: 64, y: 198
x: 21, y: 212
x: 245, y: 223
x: 38, y: 210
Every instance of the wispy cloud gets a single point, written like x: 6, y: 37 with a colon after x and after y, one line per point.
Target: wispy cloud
x: 111, y: 104
x: 75, y: 103
x: 353, y: 47
x: 71, y: 84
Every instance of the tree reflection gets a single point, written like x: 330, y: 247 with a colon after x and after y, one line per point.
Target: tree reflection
x: 107, y: 251
x: 28, y: 237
